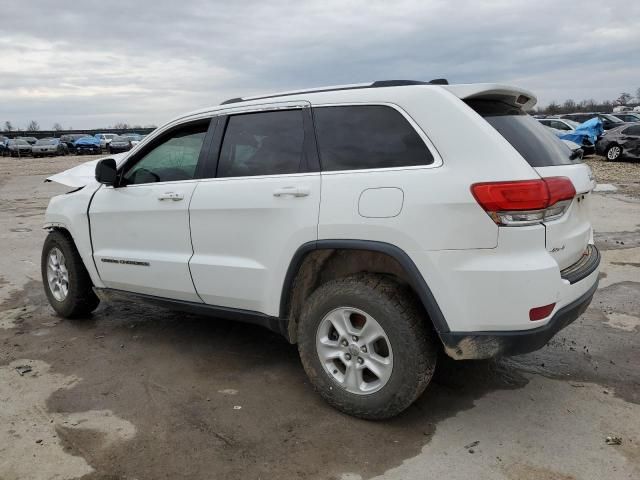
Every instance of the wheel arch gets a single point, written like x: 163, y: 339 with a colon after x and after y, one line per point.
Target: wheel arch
x: 305, y: 274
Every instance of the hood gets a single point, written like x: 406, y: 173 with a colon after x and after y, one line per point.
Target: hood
x: 83, y: 174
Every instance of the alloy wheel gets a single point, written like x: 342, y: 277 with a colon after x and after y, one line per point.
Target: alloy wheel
x: 57, y: 274
x: 354, y: 350
x: 613, y: 152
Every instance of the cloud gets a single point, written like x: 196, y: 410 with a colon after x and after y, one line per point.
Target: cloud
x: 95, y: 63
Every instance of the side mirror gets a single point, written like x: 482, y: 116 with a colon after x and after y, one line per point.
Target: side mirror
x: 106, y: 171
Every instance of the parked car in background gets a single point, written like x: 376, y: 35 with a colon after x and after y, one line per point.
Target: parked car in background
x: 105, y: 138
x: 576, y: 150
x: 70, y: 139
x: 559, y: 123
x: 29, y: 140
x: 621, y: 142
x: 120, y: 144
x: 628, y: 116
x: 134, y: 138
x: 583, y: 134
x: 608, y: 121
x: 49, y: 147
x: 87, y: 145
x: 17, y: 147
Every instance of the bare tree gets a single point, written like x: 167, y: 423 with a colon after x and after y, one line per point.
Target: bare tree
x: 624, y: 98
x: 33, y: 126
x: 8, y: 126
x: 638, y: 94
x: 121, y: 126
x: 569, y: 105
x: 553, y: 108
x: 57, y: 127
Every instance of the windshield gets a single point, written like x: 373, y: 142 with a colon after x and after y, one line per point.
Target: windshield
x: 47, y: 141
x: 534, y: 142
x: 572, y: 123
x: 119, y: 139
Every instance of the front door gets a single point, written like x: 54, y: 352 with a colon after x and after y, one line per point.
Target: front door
x: 261, y: 204
x: 140, y: 228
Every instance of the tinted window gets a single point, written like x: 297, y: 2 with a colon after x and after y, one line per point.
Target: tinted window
x: 536, y: 144
x: 174, y: 158
x: 266, y: 143
x: 633, y: 130
x: 367, y: 136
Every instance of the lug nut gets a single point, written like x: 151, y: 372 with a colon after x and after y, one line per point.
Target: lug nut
x: 347, y: 356
x: 360, y: 361
x: 344, y: 343
x: 363, y: 349
x: 354, y: 338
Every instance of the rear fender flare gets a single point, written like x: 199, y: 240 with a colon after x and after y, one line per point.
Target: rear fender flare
x: 416, y: 280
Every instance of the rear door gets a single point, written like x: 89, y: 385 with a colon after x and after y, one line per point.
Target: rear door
x: 567, y: 237
x: 260, y: 204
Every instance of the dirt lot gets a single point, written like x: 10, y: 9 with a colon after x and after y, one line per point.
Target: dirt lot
x: 141, y: 393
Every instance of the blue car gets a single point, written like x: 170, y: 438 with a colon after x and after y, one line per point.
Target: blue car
x: 89, y: 145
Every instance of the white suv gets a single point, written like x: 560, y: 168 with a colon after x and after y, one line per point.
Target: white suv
x: 373, y: 225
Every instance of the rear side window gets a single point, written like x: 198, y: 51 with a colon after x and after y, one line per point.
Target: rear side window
x: 265, y: 143
x: 367, y: 136
x: 633, y: 130
x: 536, y: 144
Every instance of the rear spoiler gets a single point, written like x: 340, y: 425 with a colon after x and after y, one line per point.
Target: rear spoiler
x: 518, y: 97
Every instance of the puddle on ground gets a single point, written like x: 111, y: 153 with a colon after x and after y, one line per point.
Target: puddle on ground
x: 30, y: 434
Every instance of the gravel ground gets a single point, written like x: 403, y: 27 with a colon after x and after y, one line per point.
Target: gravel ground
x: 625, y: 173
x: 40, y: 166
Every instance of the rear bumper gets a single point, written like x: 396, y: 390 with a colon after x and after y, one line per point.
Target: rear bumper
x: 481, y: 345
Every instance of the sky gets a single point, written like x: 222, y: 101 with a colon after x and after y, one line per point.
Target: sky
x: 93, y: 64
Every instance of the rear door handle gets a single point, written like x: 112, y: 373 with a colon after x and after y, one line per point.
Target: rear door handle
x: 293, y: 191
x: 176, y: 197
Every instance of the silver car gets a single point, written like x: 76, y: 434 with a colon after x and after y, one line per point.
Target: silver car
x: 49, y: 146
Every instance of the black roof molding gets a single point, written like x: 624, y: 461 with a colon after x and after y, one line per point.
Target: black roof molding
x: 376, y: 84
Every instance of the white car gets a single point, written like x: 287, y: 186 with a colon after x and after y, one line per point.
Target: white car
x: 373, y: 225
x: 105, y: 139
x: 559, y: 124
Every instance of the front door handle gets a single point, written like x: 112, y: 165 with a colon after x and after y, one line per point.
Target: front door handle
x: 176, y: 197
x: 293, y: 191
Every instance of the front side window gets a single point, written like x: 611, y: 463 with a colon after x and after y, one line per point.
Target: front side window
x: 173, y: 159
x: 367, y: 136
x: 264, y: 143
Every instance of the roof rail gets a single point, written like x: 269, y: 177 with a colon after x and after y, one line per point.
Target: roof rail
x: 376, y: 84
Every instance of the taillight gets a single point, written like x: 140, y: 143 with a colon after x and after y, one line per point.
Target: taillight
x: 525, y: 202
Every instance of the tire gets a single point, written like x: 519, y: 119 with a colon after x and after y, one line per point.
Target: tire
x: 80, y: 299
x: 613, y: 152
x: 409, y: 345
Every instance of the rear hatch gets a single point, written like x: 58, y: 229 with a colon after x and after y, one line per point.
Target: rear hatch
x: 567, y: 236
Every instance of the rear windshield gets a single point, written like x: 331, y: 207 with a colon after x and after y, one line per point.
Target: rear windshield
x: 534, y: 142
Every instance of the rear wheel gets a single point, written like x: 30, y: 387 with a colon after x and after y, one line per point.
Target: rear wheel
x: 66, y: 281
x: 613, y: 152
x: 366, y: 346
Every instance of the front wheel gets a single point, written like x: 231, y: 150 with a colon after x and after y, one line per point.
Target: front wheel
x: 66, y: 281
x: 366, y: 346
x: 613, y: 152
